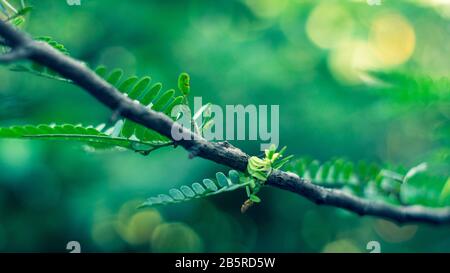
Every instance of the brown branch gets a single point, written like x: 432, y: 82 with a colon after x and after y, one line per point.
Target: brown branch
x: 222, y: 153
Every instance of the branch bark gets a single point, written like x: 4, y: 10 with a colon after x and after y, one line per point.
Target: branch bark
x: 221, y: 152
x: 16, y: 54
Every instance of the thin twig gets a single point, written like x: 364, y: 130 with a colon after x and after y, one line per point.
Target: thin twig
x: 154, y: 148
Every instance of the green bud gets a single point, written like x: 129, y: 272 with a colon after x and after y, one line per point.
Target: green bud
x: 183, y: 83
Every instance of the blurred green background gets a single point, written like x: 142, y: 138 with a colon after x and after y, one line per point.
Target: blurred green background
x: 309, y: 57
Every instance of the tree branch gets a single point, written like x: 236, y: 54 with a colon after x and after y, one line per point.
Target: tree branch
x: 16, y: 54
x: 222, y: 152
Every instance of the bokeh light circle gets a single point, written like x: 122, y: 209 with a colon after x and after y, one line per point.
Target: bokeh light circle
x: 176, y: 237
x: 329, y: 24
x: 392, y: 38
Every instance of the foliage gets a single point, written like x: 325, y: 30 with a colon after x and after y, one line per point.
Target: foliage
x: 141, y: 90
x: 266, y: 58
x: 124, y: 133
x: 365, y: 180
x: 408, y: 87
x: 221, y: 184
x: 257, y: 172
x: 395, y: 185
x: 97, y: 138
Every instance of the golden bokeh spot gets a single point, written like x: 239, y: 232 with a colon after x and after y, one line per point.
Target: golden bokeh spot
x: 141, y: 226
x: 329, y: 24
x: 349, y: 61
x: 392, y: 38
x: 267, y: 8
x: 136, y: 226
x: 125, y: 212
x: 393, y: 233
x: 341, y: 246
x: 176, y: 237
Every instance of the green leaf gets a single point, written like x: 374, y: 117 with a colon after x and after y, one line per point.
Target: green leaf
x: 176, y: 194
x: 19, y: 14
x: 165, y: 198
x: 234, y: 177
x: 444, y: 197
x: 101, y: 71
x: 18, y: 21
x: 163, y: 100
x: 197, y: 190
x: 115, y: 76
x: 188, y: 192
x: 137, y: 136
x: 209, y: 184
x: 24, y: 11
x: 255, y: 198
x: 139, y: 88
x: 413, y: 88
x: 151, y: 94
x: 128, y: 128
x: 55, y: 44
x: 372, y: 181
x: 424, y: 189
x: 176, y: 101
x: 69, y: 132
x: 125, y: 85
x: 222, y: 179
x: 422, y: 167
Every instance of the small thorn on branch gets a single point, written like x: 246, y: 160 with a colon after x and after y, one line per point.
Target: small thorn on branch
x: 225, y: 144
